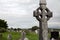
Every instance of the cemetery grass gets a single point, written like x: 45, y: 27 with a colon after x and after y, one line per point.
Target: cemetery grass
x: 15, y: 35
x: 32, y: 36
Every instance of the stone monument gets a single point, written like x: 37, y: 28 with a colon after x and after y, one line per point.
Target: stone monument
x: 23, y: 34
x: 9, y: 37
x: 43, y: 14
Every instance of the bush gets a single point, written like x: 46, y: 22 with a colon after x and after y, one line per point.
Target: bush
x: 2, y: 30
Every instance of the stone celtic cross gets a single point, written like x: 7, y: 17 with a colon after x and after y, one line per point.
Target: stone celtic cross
x: 43, y: 14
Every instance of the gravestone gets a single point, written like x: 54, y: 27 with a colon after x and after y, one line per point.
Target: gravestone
x: 9, y: 37
x: 23, y: 34
x: 52, y: 39
x: 26, y: 39
x: 43, y: 14
x: 55, y: 34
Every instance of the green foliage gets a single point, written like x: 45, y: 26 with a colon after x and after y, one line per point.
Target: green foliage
x: 18, y: 29
x: 27, y: 31
x: 2, y: 30
x: 3, y: 24
x: 15, y: 29
x: 15, y: 35
x: 34, y: 28
x: 32, y: 36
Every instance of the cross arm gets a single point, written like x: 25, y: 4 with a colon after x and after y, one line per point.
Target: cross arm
x: 49, y: 15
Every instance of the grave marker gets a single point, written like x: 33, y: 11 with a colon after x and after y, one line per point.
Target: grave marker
x: 43, y: 14
x: 9, y: 37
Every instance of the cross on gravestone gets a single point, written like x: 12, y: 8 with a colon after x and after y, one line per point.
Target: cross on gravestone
x: 43, y: 14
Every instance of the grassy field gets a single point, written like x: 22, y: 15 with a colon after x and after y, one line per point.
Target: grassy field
x: 32, y: 36
x: 15, y: 35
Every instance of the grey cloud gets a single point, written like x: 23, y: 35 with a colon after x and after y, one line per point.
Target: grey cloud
x: 19, y: 13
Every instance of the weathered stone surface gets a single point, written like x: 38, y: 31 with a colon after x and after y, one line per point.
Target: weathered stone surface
x: 43, y: 1
x: 26, y: 39
x: 43, y: 17
x: 23, y: 34
x: 9, y: 37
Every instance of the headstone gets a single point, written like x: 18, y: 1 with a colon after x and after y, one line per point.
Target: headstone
x: 23, y: 34
x: 52, y: 39
x: 26, y: 39
x: 43, y: 14
x: 55, y: 34
x: 9, y: 37
x: 37, y: 31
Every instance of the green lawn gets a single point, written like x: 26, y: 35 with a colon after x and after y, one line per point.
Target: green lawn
x: 32, y: 36
x: 15, y: 35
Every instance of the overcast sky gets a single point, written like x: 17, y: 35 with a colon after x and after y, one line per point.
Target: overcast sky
x: 19, y: 13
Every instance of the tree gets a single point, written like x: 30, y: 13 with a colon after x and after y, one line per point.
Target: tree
x: 18, y: 29
x: 34, y: 28
x: 3, y: 24
x: 15, y: 29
